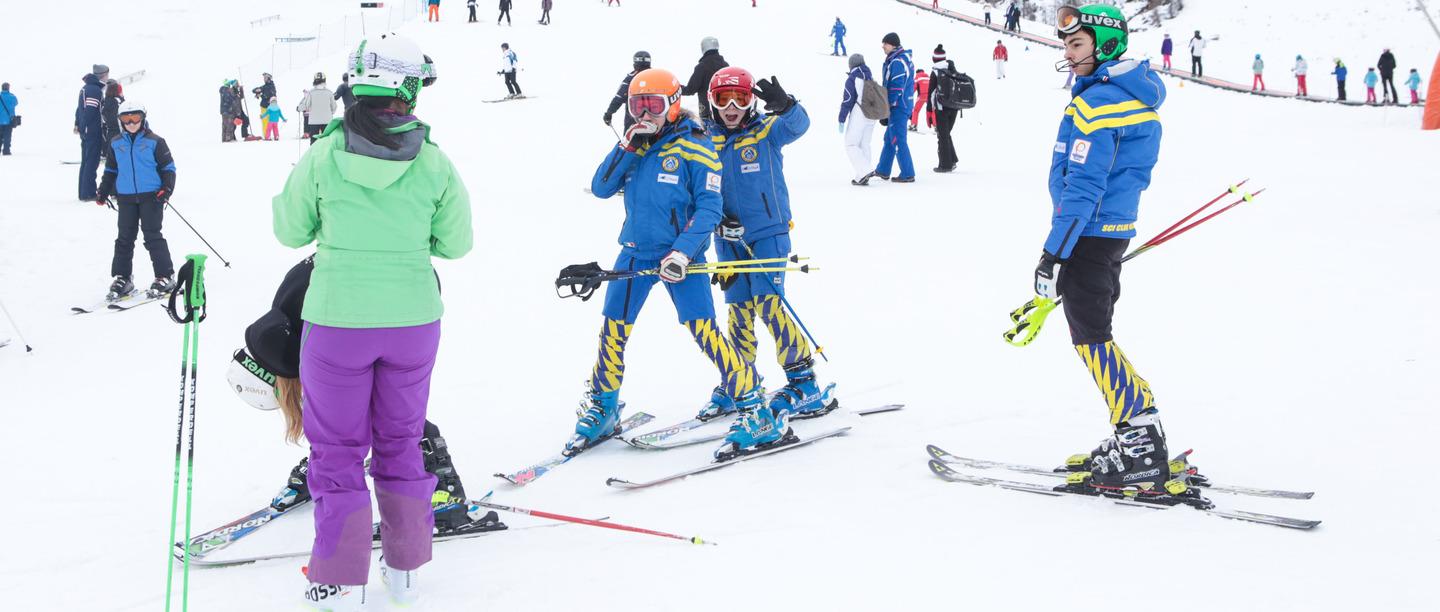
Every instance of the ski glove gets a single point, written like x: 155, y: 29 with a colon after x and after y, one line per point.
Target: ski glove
x: 884, y: 122
x: 724, y: 279
x: 672, y: 268
x: 731, y: 230
x: 842, y: 128
x: 163, y: 197
x: 607, y: 118
x: 1047, y: 276
x: 639, y: 135
x: 776, y: 100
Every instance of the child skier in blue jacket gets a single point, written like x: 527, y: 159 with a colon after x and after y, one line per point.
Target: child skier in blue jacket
x: 140, y: 175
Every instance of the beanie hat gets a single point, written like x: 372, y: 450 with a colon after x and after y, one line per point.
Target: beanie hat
x: 891, y: 39
x: 99, y: 70
x: 856, y: 61
x: 939, y: 55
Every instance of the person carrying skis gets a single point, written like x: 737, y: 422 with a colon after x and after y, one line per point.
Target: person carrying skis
x: 672, y: 181
x: 922, y: 101
x: 90, y: 128
x: 943, y: 116
x: 1108, y: 143
x: 1000, y: 55
x: 757, y: 226
x: 837, y: 32
x: 1301, y: 69
x: 639, y: 63
x: 856, y: 127
x: 509, y: 66
x: 1413, y: 82
x: 1258, y: 68
x: 390, y: 201
x: 1387, y: 77
x: 1166, y: 49
x: 318, y: 107
x: 141, y: 187
x: 1340, y: 73
x: 900, y: 91
x: 710, y: 62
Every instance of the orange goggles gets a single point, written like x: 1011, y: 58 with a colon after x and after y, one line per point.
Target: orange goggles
x: 132, y: 119
x: 739, y: 98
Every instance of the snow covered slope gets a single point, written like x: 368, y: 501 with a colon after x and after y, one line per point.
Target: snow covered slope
x: 1288, y: 341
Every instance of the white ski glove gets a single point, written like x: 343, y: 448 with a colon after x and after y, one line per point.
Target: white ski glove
x: 1047, y: 276
x: 672, y: 268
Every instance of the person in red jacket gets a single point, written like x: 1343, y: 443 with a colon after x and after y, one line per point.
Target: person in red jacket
x: 922, y: 93
x: 1001, y: 55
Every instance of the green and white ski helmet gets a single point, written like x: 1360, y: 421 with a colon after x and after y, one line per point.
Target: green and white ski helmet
x: 252, y: 381
x: 1106, y: 23
x: 390, y: 65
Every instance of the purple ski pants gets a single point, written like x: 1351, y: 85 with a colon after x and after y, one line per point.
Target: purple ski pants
x: 365, y: 393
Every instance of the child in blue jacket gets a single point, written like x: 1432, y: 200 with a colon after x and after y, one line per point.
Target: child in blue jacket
x: 273, y: 116
x: 141, y: 186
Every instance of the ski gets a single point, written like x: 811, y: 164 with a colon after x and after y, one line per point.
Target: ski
x: 529, y: 474
x: 225, y: 535
x: 509, y: 99
x: 124, y: 302
x: 134, y: 303
x: 1199, y: 503
x: 941, y: 455
x: 662, y: 439
x: 626, y: 484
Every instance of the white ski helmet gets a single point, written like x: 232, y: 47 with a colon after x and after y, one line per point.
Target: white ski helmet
x: 130, y: 107
x: 252, y: 382
x: 390, y: 65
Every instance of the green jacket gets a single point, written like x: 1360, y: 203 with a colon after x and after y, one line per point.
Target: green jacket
x: 377, y: 216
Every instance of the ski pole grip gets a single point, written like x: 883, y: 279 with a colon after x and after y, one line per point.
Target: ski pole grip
x: 190, y: 290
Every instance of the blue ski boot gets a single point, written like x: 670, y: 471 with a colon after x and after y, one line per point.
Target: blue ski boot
x: 721, y: 404
x: 758, y: 428
x: 598, y: 423
x: 802, y: 398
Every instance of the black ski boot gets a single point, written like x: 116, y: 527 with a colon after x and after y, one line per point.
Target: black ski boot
x: 163, y: 285
x: 120, y: 286
x: 1133, y: 462
x: 437, y: 461
x: 465, y: 517
x: 296, y: 491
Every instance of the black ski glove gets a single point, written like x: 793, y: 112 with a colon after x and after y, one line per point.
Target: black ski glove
x: 1047, y: 275
x: 608, y: 116
x: 776, y: 100
x: 884, y: 121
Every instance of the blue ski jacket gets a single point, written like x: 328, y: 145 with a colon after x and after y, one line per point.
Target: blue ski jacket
x: 854, y: 84
x: 87, y: 108
x: 138, y: 163
x: 838, y: 30
x: 754, y: 169
x: 672, y: 191
x: 1108, y: 143
x: 1371, y: 79
x: 8, y: 102
x: 900, y: 82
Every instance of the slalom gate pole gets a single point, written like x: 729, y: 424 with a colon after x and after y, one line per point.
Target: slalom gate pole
x: 819, y: 350
x: 16, y: 327
x: 189, y: 287
x: 197, y: 234
x: 485, y: 502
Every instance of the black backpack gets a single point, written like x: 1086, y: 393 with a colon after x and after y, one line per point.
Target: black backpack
x: 954, y: 90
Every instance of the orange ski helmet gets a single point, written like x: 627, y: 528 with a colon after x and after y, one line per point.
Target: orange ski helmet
x: 655, y: 82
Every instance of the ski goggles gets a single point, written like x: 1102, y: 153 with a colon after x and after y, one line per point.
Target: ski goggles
x: 1069, y: 20
x: 738, y: 98
x: 132, y: 118
x: 654, y: 104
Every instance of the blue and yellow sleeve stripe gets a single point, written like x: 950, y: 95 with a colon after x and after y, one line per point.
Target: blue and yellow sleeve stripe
x: 1088, y: 119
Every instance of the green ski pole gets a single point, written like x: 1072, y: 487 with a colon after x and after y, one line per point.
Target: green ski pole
x: 190, y: 288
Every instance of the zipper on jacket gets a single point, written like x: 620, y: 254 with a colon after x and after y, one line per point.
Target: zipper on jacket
x: 674, y: 222
x: 134, y: 185
x: 766, y: 201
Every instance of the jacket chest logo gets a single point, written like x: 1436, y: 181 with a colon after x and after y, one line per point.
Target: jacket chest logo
x: 670, y: 164
x: 749, y: 154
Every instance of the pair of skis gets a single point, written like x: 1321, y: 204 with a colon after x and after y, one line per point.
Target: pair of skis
x: 942, y: 464
x: 129, y: 301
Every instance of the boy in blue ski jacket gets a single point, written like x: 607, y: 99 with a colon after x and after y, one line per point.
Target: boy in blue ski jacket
x: 140, y: 174
x: 757, y: 226
x: 1108, y: 143
x: 837, y: 31
x: 671, y: 177
x: 899, y: 74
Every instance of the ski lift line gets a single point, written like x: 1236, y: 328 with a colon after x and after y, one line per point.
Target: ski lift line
x: 264, y: 20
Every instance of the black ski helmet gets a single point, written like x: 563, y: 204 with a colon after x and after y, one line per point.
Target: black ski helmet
x: 641, y: 60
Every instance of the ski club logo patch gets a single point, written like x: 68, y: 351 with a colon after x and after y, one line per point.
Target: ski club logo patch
x: 749, y: 154
x: 1060, y: 148
x: 747, y: 168
x: 670, y: 164
x: 1080, y: 151
x: 712, y: 182
x: 673, y: 179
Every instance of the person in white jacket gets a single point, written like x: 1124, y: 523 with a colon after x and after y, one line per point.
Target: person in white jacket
x: 317, y: 106
x: 508, y: 67
x: 1300, y: 69
x: 856, y: 127
x: 1197, y: 50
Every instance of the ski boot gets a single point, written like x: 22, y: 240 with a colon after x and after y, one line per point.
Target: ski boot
x: 333, y: 597
x: 120, y: 287
x: 436, y: 454
x: 1132, y: 463
x: 598, y: 423
x: 758, y: 428
x: 162, y: 286
x: 297, y: 489
x: 802, y: 398
x: 460, y: 516
x: 403, y: 587
x: 719, y: 405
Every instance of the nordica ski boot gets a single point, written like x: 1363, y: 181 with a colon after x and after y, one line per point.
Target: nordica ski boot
x: 297, y: 489
x: 758, y: 428
x: 161, y: 286
x: 802, y: 398
x: 120, y: 286
x: 1132, y: 463
x: 403, y: 587
x: 598, y: 423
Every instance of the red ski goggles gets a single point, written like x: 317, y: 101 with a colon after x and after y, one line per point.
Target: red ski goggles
x: 740, y: 98
x: 655, y: 104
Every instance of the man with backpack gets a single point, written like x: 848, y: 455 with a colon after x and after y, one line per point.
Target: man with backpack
x: 863, y: 104
x: 950, y: 92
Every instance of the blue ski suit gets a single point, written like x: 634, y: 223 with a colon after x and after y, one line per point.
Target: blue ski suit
x: 91, y: 128
x: 900, y: 89
x: 838, y: 31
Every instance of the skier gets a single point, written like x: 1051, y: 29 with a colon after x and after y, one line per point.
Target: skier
x: 141, y: 187
x: 922, y: 97
x: 504, y: 13
x: 545, y: 6
x: 671, y: 177
x: 1166, y: 49
x: 1000, y: 55
x: 1197, y: 51
x: 318, y: 106
x: 900, y: 90
x: 273, y: 118
x: 1108, y: 143
x: 1258, y: 67
x: 1340, y: 73
x: 469, y: 4
x: 943, y: 116
x: 88, y: 125
x: 1371, y: 80
x: 110, y: 111
x: 710, y: 63
x: 343, y: 94
x: 987, y: 14
x: 1413, y: 82
x: 856, y: 127
x: 390, y: 200
x: 639, y: 63
x: 8, y: 104
x: 265, y: 374
x: 1387, y: 76
x: 837, y: 32
x: 434, y: 10
x: 228, y: 107
x: 241, y: 114
x: 508, y: 68
x: 1301, y: 68
x: 1012, y: 16
x: 264, y: 93
x: 757, y: 225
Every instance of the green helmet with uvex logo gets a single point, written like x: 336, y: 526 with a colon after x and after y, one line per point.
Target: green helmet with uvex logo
x: 1103, y: 21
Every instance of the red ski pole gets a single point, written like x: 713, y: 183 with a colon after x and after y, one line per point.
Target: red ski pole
x: 484, y: 502
x: 1166, y: 235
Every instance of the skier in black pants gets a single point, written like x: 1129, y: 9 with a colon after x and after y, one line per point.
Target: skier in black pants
x: 470, y: 4
x: 1387, y: 77
x: 141, y: 186
x: 641, y: 61
x: 504, y: 13
x: 110, y: 111
x: 508, y: 68
x: 944, y: 115
x: 266, y: 375
x: 91, y: 129
x: 710, y: 63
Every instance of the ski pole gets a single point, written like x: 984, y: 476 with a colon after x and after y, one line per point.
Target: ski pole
x: 1030, y: 317
x: 484, y: 502
x: 197, y: 233
x: 819, y: 350
x: 190, y: 286
x: 16, y: 327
